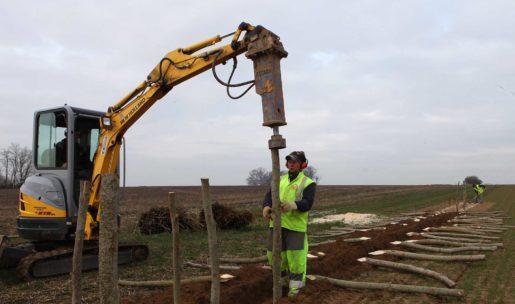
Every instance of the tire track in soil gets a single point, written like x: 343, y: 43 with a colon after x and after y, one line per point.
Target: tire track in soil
x: 253, y: 284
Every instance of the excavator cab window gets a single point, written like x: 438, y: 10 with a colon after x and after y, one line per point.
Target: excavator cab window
x: 87, y: 130
x: 51, y: 140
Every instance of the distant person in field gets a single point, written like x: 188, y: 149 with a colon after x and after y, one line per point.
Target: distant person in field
x: 297, y: 194
x: 478, y: 189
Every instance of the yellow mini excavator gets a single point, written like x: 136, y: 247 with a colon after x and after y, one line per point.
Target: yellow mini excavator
x: 72, y: 144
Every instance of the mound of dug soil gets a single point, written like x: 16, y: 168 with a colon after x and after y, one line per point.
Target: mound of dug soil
x: 157, y: 220
x: 228, y: 218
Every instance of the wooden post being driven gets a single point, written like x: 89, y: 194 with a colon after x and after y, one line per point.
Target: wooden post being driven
x: 79, y: 241
x: 108, y: 240
x: 176, y: 262
x: 213, y: 242
x: 276, y: 211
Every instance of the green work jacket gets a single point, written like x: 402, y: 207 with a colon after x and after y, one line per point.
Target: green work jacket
x: 289, y: 192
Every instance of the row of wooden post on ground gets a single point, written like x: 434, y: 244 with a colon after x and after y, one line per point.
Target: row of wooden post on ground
x: 108, y: 242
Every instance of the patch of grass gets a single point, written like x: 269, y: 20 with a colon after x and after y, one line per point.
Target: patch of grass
x: 398, y: 202
x: 492, y: 281
x: 489, y: 281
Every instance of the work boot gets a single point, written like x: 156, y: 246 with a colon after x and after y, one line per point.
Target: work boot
x: 284, y: 281
x: 285, y: 278
x: 295, y: 287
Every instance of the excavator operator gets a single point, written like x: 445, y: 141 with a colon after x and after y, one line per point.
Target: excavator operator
x: 297, y: 194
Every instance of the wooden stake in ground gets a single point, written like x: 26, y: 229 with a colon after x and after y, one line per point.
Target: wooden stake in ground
x: 466, y: 235
x: 176, y: 263
x: 452, y: 243
x: 256, y: 260
x: 484, y: 229
x: 448, y: 238
x: 454, y: 229
x: 108, y: 240
x: 356, y: 240
x: 456, y: 198
x: 205, y: 266
x: 322, y: 243
x: 213, y: 242
x: 79, y: 241
x: 410, y: 268
x: 445, y: 250
x: 223, y: 278
x: 464, y: 196
x: 430, y: 257
x: 163, y: 282
x: 276, y: 211
x: 393, y: 287
x: 331, y: 235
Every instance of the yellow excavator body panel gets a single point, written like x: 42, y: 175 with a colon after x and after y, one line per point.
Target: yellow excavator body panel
x: 32, y: 207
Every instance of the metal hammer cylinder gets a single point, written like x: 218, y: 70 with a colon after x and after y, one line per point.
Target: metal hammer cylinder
x: 266, y: 51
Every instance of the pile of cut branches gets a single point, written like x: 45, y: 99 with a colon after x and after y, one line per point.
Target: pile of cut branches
x: 157, y: 220
x: 227, y: 217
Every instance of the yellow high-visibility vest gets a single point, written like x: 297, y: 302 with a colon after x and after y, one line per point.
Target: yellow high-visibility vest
x: 289, y: 192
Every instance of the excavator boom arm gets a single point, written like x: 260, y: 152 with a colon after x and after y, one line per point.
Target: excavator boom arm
x: 176, y: 67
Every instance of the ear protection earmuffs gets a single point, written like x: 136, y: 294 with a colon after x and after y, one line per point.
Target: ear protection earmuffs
x: 304, y: 165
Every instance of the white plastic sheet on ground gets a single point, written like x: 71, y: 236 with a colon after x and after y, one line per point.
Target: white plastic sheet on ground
x: 348, y: 218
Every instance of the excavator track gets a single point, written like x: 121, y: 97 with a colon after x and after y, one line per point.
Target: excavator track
x: 23, y: 270
x: 59, y: 261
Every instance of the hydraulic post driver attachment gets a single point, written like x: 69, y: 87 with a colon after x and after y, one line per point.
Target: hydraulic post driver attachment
x: 266, y: 51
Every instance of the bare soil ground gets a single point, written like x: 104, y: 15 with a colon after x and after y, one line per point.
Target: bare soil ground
x: 340, y: 262
x: 254, y: 283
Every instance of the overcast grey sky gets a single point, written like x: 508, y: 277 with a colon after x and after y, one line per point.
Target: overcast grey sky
x: 376, y: 92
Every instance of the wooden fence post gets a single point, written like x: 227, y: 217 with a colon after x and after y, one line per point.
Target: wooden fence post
x: 456, y: 198
x: 108, y: 241
x: 176, y: 263
x: 464, y: 195
x: 79, y: 241
x: 213, y: 242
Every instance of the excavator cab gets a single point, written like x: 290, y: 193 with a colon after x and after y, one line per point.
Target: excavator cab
x: 65, y: 141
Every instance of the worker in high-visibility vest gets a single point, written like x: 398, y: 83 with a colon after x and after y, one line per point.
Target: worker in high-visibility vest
x: 478, y: 189
x: 297, y: 194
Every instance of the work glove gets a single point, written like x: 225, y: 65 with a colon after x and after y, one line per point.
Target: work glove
x: 267, y: 212
x: 285, y: 207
